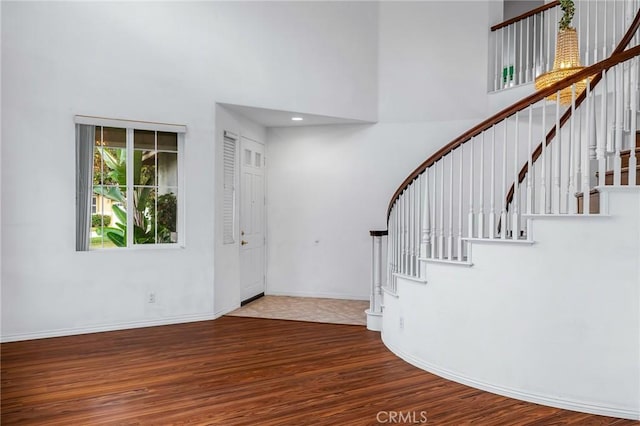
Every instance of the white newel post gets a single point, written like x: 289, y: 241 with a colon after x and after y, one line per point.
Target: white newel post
x: 374, y: 313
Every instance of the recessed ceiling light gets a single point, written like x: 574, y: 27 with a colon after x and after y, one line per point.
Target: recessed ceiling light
x: 296, y: 118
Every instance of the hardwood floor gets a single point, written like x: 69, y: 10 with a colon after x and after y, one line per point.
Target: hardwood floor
x: 243, y: 371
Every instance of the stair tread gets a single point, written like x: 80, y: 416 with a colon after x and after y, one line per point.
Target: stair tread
x: 622, y: 169
x: 447, y: 260
x: 627, y: 153
x: 592, y: 192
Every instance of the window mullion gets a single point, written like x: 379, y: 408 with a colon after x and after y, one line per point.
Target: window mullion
x: 101, y: 185
x: 155, y: 190
x: 129, y: 188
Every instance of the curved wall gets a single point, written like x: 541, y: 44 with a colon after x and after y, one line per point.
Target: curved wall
x: 555, y: 322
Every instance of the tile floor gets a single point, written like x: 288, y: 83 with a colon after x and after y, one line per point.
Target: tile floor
x: 334, y: 311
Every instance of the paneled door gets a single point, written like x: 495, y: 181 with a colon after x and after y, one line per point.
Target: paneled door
x: 252, y: 219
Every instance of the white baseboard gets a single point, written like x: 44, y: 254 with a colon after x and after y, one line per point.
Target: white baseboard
x: 316, y: 295
x: 107, y: 327
x: 567, y: 404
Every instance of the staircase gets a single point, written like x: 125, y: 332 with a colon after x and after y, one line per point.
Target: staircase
x: 501, y: 274
x: 625, y: 157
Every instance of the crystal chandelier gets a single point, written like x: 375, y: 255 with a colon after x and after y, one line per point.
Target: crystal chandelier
x: 567, y: 59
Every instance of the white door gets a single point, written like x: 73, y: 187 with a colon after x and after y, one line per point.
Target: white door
x: 252, y: 224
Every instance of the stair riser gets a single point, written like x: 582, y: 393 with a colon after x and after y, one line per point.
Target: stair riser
x: 624, y: 156
x: 594, y: 203
x: 624, y: 178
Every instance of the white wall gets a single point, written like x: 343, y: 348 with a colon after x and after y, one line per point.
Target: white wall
x: 513, y: 8
x: 164, y: 62
x: 327, y: 187
x: 171, y: 62
x: 433, y: 60
x: 556, y: 322
x: 227, y: 260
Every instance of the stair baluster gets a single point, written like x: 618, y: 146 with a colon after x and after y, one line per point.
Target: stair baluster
x: 555, y: 191
x: 530, y: 200
x: 460, y: 202
x: 618, y: 99
x: 425, y: 240
x: 480, y: 224
x: 450, y: 208
x: 515, y: 221
x: 602, y: 140
x: 410, y: 229
x: 571, y: 184
x: 434, y: 241
x: 586, y: 187
x: 470, y: 227
x: 633, y: 101
x: 503, y: 212
x: 405, y: 232
x: 520, y: 79
x: 492, y: 211
x: 543, y: 163
x: 417, y: 217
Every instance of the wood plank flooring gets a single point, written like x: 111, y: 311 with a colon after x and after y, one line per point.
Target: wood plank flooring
x: 242, y: 371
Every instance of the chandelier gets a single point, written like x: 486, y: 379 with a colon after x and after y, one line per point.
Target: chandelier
x: 567, y: 59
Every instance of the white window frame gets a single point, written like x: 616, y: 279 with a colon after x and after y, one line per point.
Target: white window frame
x: 131, y: 126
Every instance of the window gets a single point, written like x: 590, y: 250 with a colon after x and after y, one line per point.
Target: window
x: 134, y: 184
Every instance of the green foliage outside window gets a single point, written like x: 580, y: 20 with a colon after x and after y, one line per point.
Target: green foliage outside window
x: 98, y: 220
x: 168, y: 211
x: 144, y: 214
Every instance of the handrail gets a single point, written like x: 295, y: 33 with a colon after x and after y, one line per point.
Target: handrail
x: 509, y: 111
x: 525, y: 15
x: 567, y: 115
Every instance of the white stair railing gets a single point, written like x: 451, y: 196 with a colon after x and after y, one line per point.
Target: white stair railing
x: 523, y: 47
x: 596, y: 134
x: 439, y: 209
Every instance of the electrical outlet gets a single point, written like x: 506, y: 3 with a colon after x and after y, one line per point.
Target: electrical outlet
x: 401, y: 323
x: 151, y: 297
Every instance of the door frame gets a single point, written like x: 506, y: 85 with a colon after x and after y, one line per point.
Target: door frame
x: 241, y: 138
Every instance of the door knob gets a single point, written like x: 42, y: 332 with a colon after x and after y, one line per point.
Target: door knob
x: 243, y: 242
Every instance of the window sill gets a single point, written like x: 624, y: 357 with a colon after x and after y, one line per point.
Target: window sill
x: 140, y: 247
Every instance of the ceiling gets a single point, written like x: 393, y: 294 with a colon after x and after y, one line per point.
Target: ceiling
x: 279, y: 118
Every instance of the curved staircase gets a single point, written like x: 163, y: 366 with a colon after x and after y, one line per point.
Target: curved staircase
x: 625, y: 157
x: 531, y: 292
